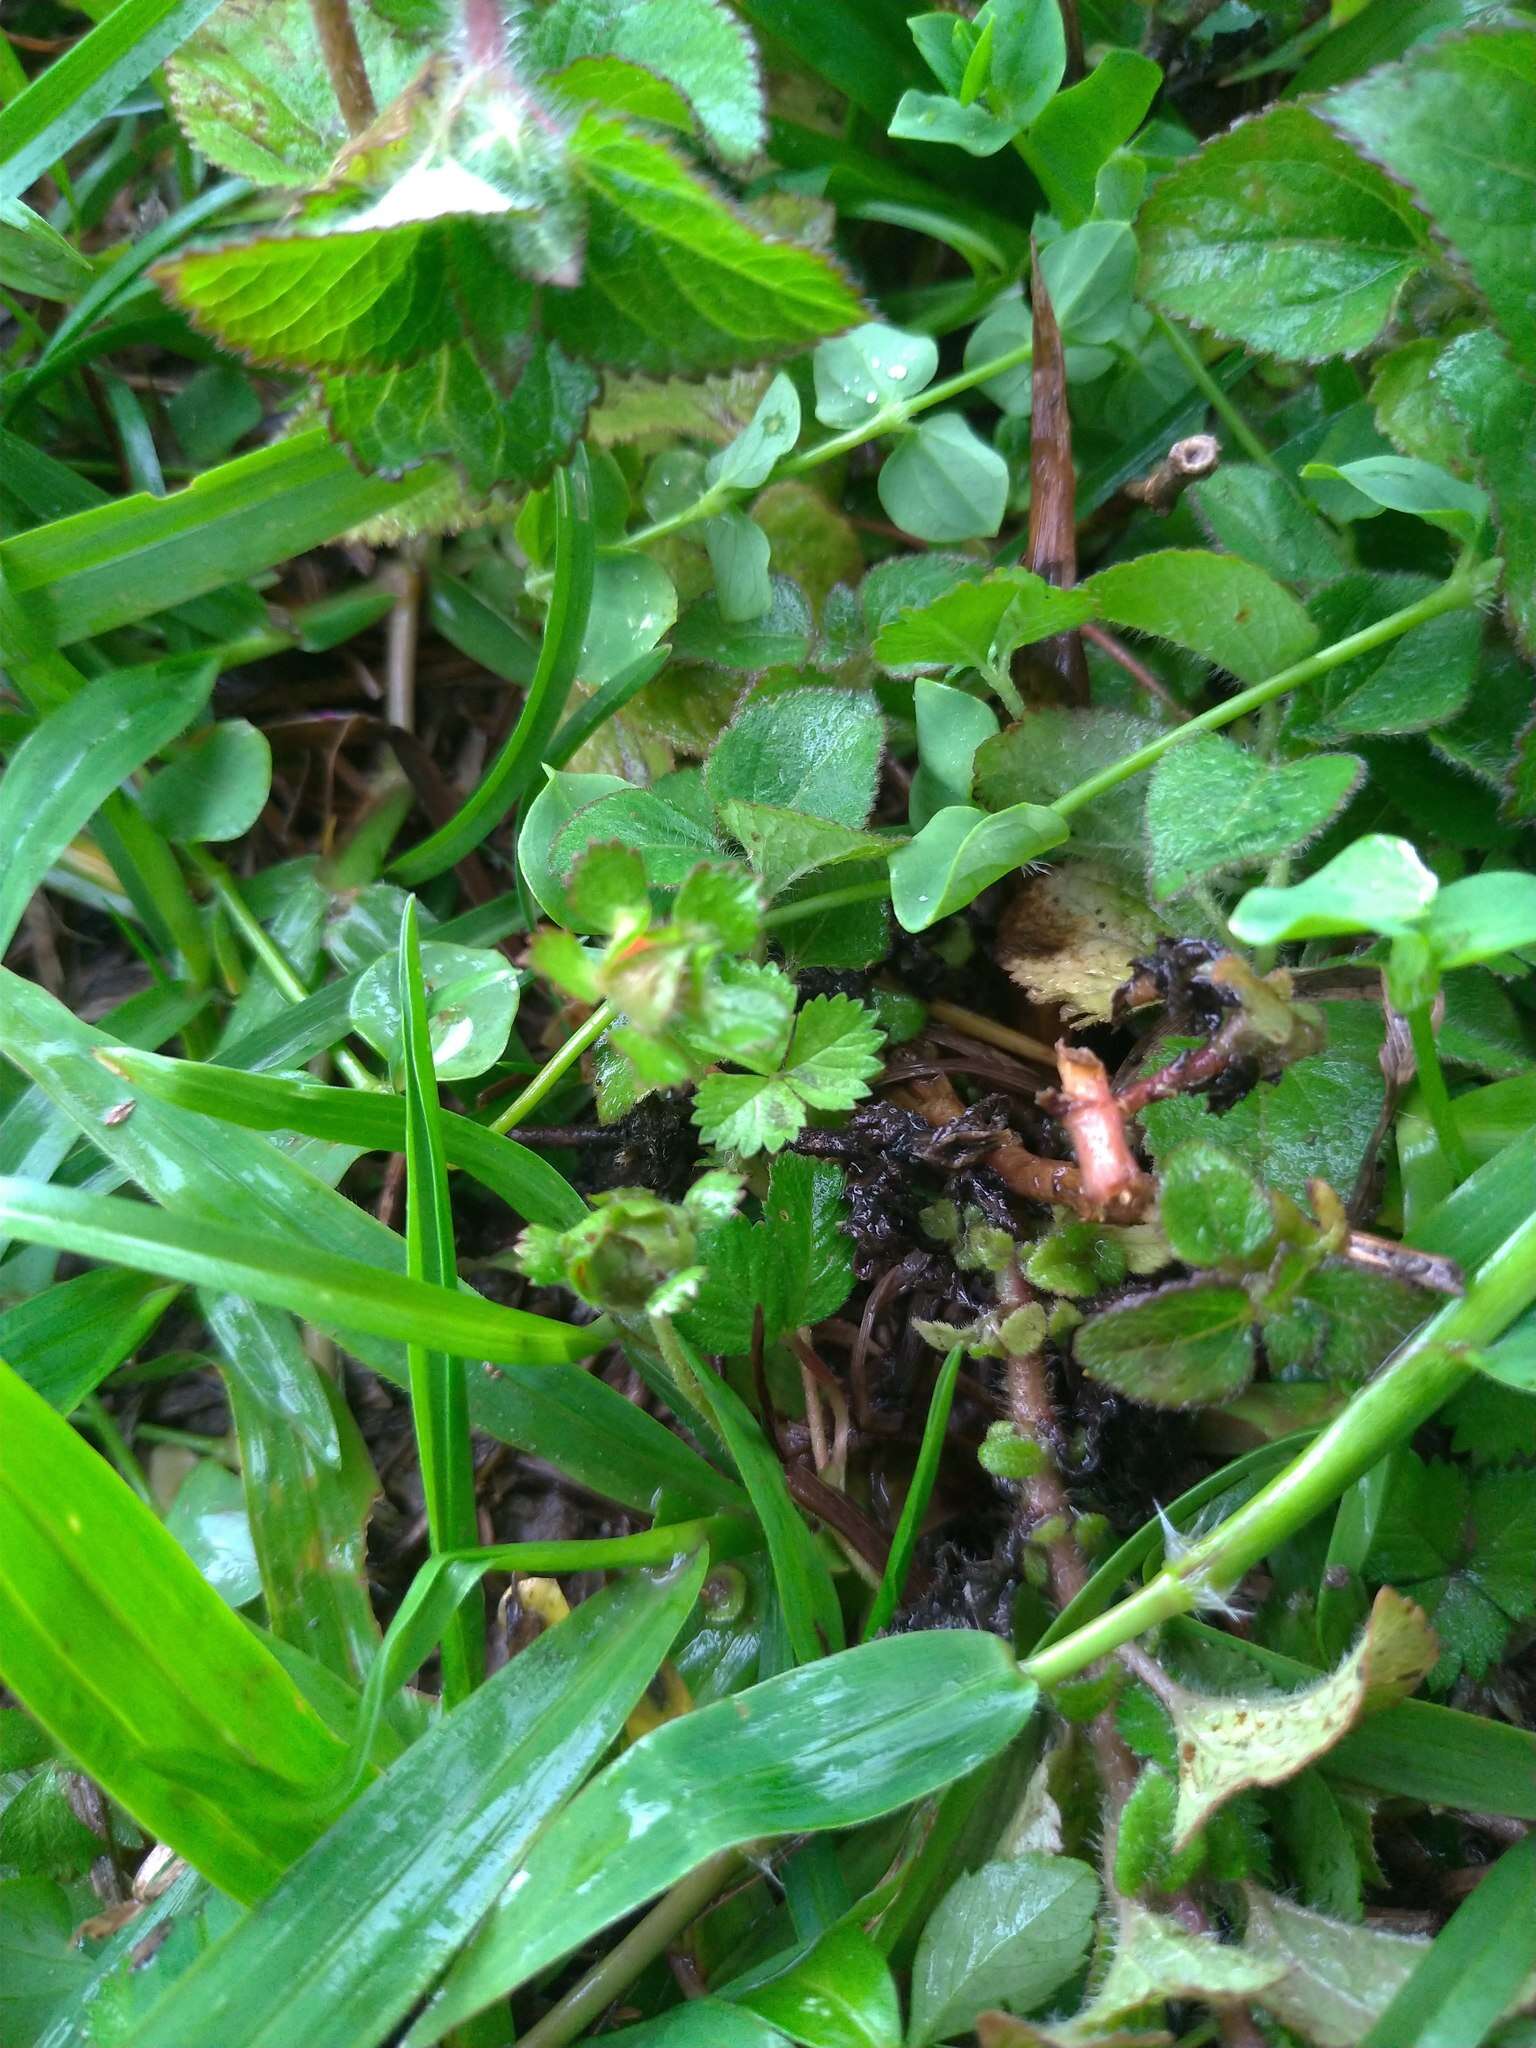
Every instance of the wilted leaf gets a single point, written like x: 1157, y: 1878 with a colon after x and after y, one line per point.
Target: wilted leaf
x: 1069, y: 937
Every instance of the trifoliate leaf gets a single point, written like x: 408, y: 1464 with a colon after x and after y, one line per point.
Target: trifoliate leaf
x: 1212, y: 805
x: 1461, y: 1547
x: 832, y: 1054
x: 796, y: 1263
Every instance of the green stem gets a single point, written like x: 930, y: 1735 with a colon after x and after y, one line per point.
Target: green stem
x: 648, y: 1939
x: 1465, y: 588
x: 553, y: 1068
x: 1427, y: 1370
x: 1225, y: 408
x: 101, y: 1425
x: 1437, y: 1097
x: 276, y: 965
x: 834, y: 899
x: 887, y: 420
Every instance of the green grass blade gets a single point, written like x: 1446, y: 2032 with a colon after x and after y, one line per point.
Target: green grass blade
x: 1477, y: 1965
x: 439, y: 1401
x: 830, y: 1745
x: 363, y: 1925
x: 813, y: 1619
x: 919, y: 1493
x: 337, y: 1294
x: 65, y: 1341
x: 578, y: 1423
x: 348, y: 1116
x: 72, y: 762
x: 172, y: 1676
x: 87, y: 83
x: 307, y: 1500
x: 137, y: 556
x: 519, y: 763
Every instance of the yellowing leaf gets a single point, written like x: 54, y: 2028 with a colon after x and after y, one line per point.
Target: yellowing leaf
x: 1226, y: 1745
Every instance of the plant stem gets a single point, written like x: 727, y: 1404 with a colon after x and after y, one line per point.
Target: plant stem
x: 277, y: 967
x: 344, y: 63
x: 834, y: 899
x: 559, y: 1063
x: 885, y: 421
x: 618, y: 1969
x: 1437, y: 1097
x: 99, y: 1421
x: 1427, y: 1370
x: 1465, y: 588
x: 1225, y: 408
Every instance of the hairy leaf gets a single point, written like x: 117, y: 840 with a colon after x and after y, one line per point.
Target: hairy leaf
x: 1212, y: 805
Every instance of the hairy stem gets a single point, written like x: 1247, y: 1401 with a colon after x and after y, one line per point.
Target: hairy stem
x: 344, y: 63
x: 1465, y: 588
x: 1426, y: 1371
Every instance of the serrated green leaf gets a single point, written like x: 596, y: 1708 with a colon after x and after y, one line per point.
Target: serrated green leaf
x: 1331, y: 1981
x: 1453, y: 124
x: 713, y: 292
x: 796, y: 1264
x: 697, y: 46
x: 783, y: 846
x: 1225, y: 611
x: 1314, y: 1121
x: 1277, y: 234
x: 251, y: 90
x: 861, y: 373
x: 1180, y: 1347
x: 1211, y: 805
x: 1008, y: 1934
x: 803, y: 750
x: 1251, y: 512
x: 1460, y: 1547
x: 960, y: 852
x: 911, y: 1713
x: 1377, y: 884
x: 978, y: 625
x: 1211, y: 1208
x: 942, y: 482
x: 450, y: 406
x: 833, y: 1052
x: 1497, y: 406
